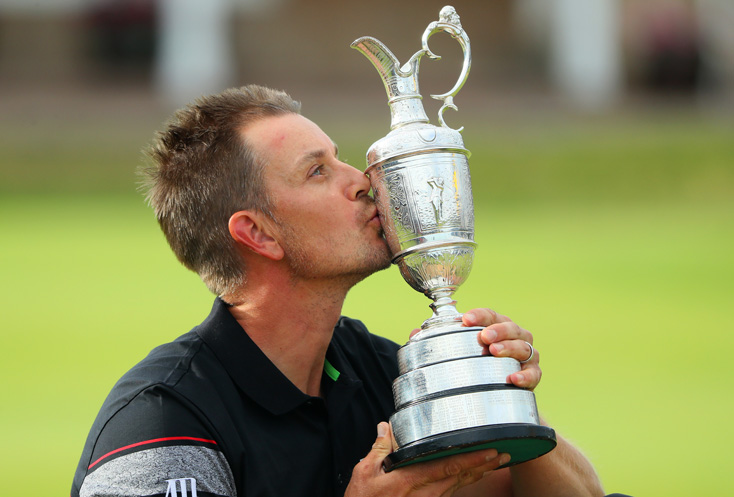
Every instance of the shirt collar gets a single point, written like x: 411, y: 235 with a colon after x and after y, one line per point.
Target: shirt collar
x: 342, y: 388
x: 338, y: 361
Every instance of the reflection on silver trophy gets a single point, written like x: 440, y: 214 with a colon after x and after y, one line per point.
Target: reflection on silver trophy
x: 450, y: 396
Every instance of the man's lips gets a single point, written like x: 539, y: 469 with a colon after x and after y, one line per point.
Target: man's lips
x: 375, y: 217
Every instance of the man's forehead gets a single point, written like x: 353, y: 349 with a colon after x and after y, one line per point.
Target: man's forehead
x: 291, y: 137
x: 270, y: 130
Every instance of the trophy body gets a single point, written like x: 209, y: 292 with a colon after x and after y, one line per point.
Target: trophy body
x: 451, y: 396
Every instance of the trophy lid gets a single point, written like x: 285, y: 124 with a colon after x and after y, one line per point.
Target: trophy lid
x: 414, y: 139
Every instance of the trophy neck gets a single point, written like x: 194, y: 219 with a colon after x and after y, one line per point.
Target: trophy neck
x: 407, y: 110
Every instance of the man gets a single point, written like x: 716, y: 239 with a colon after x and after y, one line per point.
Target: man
x: 275, y: 393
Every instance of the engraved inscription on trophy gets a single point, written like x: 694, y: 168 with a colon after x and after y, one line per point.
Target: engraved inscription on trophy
x: 400, y: 224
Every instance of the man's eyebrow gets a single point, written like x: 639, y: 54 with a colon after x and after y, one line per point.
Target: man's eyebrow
x: 312, y: 156
x: 319, y: 154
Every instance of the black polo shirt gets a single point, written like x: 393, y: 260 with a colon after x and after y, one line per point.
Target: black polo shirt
x: 209, y: 413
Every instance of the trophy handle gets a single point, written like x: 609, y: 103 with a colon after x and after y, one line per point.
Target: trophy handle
x: 449, y: 21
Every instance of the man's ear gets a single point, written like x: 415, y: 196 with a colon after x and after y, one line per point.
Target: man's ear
x: 252, y: 230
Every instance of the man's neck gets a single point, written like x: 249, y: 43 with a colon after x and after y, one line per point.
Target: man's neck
x: 292, y: 322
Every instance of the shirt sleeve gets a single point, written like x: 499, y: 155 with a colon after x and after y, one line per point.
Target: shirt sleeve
x: 157, y: 444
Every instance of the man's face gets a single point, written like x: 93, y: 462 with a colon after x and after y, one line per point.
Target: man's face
x: 326, y: 222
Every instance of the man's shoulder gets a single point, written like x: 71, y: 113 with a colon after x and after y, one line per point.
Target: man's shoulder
x: 169, y: 365
x: 164, y: 365
x: 157, y: 412
x: 170, y: 414
x: 147, y: 430
x: 158, y: 382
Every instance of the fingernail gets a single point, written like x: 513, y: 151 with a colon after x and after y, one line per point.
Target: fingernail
x: 469, y: 316
x: 381, y: 430
x: 520, y: 377
x: 492, y: 454
x: 490, y: 335
x: 498, y: 347
x: 504, y: 459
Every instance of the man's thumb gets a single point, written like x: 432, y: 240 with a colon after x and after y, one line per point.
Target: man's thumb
x: 383, y: 444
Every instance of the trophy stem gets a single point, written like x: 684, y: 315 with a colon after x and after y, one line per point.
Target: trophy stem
x: 445, y: 315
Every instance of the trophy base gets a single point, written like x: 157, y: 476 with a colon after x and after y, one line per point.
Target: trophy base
x: 523, y: 442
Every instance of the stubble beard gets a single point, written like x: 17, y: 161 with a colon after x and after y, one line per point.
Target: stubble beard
x: 349, y: 268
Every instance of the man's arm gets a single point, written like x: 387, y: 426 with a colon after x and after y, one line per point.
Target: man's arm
x: 562, y: 472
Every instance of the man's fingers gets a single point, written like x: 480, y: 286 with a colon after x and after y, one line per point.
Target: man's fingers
x: 506, y: 330
x: 460, y: 476
x: 460, y: 469
x: 439, y: 477
x: 505, y: 338
x: 483, y: 317
x: 528, y: 378
x: 517, y: 349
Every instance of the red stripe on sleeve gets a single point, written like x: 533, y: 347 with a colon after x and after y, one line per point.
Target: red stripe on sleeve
x: 168, y: 439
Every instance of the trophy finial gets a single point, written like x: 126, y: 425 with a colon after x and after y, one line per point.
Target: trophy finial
x: 448, y: 15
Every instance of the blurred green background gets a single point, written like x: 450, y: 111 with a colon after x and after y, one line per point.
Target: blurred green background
x: 607, y: 233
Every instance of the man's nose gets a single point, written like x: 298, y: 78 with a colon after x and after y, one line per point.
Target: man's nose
x: 359, y: 184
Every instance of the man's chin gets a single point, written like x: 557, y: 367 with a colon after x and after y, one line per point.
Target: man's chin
x: 377, y: 264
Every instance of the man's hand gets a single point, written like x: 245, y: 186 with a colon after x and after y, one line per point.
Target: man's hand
x: 438, y: 478
x: 503, y: 338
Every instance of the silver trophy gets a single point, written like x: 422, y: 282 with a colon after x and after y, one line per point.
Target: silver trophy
x: 451, y: 396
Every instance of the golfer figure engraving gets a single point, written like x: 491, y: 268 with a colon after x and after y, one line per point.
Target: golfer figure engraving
x: 450, y: 396
x: 436, y: 200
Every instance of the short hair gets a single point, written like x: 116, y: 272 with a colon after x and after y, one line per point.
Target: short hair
x: 203, y: 171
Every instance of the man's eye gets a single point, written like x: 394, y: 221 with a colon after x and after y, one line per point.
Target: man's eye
x: 317, y: 171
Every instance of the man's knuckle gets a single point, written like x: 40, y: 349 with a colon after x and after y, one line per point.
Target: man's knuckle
x: 452, y: 468
x: 489, y: 314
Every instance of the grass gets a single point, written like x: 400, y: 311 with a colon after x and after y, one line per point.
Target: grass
x: 611, y: 242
